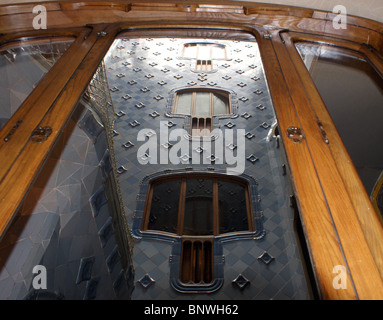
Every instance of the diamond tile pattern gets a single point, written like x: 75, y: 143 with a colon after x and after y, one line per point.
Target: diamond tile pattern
x: 68, y: 229
x: 283, y: 277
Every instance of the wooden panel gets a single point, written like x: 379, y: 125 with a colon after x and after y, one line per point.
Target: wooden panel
x: 370, y: 221
x: 43, y: 97
x: 321, y: 237
x: 278, y: 10
x: 95, y: 5
x: 343, y: 215
x: 293, y: 18
x: 186, y: 7
x: 16, y: 155
x: 27, y: 8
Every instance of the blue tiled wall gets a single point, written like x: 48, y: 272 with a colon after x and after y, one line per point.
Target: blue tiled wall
x: 142, y: 76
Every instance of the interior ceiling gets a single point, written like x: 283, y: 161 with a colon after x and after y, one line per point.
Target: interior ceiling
x: 371, y: 9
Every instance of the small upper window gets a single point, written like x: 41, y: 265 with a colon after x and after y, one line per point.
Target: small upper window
x: 202, y: 105
x: 204, y: 54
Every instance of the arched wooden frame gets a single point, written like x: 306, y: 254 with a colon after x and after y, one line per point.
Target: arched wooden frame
x: 346, y: 233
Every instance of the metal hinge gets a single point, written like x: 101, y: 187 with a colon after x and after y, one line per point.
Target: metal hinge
x: 102, y: 34
x: 41, y: 134
x: 12, y: 131
x: 295, y: 134
x: 323, y: 132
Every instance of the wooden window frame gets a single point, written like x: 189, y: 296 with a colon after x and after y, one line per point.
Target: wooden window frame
x: 198, y: 267
x: 206, y: 120
x: 295, y: 103
x: 205, y: 64
x: 181, y: 208
x: 48, y: 95
x: 192, y: 265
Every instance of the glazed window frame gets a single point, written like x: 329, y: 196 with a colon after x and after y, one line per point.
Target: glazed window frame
x: 197, y: 270
x: 203, y: 63
x: 342, y: 55
x: 36, y: 49
x: 202, y: 125
x: 181, y: 207
x: 196, y: 262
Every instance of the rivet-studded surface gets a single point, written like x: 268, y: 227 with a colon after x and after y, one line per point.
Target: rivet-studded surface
x: 142, y: 76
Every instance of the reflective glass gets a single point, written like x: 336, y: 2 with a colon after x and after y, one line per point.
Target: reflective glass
x: 184, y: 103
x: 164, y: 206
x: 353, y: 93
x: 22, y: 68
x: 232, y: 207
x: 202, y: 104
x: 220, y: 104
x: 198, y: 218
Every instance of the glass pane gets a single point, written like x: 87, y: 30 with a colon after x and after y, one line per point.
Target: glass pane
x: 21, y: 69
x: 184, y: 103
x: 353, y: 94
x: 220, y: 104
x: 219, y: 52
x: 204, y: 52
x: 198, y: 217
x: 202, y: 104
x: 190, y: 51
x: 164, y: 206
x: 232, y: 207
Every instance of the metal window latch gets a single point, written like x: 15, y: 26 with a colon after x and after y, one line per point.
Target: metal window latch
x: 12, y: 131
x: 295, y: 134
x: 41, y: 134
x: 323, y: 132
x: 102, y: 34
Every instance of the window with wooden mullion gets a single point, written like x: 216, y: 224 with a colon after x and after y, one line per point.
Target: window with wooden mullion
x: 201, y: 123
x: 204, y: 56
x: 202, y: 105
x: 197, y: 261
x: 198, y: 206
x: 197, y: 226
